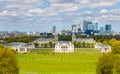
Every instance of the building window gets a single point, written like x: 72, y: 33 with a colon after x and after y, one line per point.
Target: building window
x: 22, y: 49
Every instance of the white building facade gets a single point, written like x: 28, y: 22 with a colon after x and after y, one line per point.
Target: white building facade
x: 64, y: 47
x: 103, y: 48
x: 20, y: 47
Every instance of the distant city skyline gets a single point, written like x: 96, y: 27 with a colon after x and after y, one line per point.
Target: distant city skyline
x: 42, y: 15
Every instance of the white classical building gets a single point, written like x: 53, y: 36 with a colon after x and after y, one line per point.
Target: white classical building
x: 102, y: 48
x: 64, y: 47
x: 106, y: 48
x: 20, y: 47
x: 98, y: 45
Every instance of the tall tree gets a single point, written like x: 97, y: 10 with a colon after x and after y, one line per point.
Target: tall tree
x: 112, y: 41
x: 8, y: 61
x: 36, y: 44
x: 75, y: 43
x: 105, y: 64
x: 116, y: 47
x: 46, y: 44
x: 84, y: 44
x: 108, y: 64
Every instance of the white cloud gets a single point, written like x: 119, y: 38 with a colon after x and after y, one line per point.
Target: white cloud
x: 6, y: 13
x: 73, y: 10
x: 84, y: 2
x: 103, y: 11
x: 61, y: 1
x: 104, y: 16
x: 115, y: 12
x: 63, y: 7
x: 101, y: 4
x: 88, y: 12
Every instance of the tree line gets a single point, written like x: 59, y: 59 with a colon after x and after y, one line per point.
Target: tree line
x: 45, y: 45
x: 83, y: 44
x: 28, y: 39
x: 25, y: 39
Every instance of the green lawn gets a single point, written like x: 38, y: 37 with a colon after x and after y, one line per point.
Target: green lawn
x: 83, y: 61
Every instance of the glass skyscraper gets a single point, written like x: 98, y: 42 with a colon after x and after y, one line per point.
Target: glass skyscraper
x: 87, y: 25
x: 54, y: 29
x: 108, y: 29
x: 73, y: 28
x: 95, y: 25
x: 102, y: 30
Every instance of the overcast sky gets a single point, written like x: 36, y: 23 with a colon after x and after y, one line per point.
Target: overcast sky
x: 41, y: 15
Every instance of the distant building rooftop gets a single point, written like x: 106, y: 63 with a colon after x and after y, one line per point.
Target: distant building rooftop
x: 16, y: 44
x: 45, y: 39
x: 88, y: 40
x: 64, y: 42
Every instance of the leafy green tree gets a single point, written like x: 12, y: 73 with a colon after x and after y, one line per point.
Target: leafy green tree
x: 75, y: 43
x: 105, y: 64
x: 45, y: 44
x: 42, y: 45
x: 88, y: 45
x: 8, y: 61
x: 112, y: 41
x: 92, y: 45
x: 36, y: 44
x: 116, y: 69
x: 108, y: 64
x: 105, y: 42
x: 79, y: 44
x: 116, y: 47
x: 51, y: 44
x: 84, y: 44
x: 25, y: 39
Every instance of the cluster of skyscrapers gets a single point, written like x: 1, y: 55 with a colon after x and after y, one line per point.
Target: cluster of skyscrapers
x: 89, y: 28
x: 90, y: 25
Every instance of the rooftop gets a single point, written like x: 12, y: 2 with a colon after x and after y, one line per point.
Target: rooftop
x: 45, y: 39
x: 16, y: 44
x: 64, y: 42
x: 85, y: 39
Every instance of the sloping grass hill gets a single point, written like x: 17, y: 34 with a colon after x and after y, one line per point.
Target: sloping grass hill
x: 44, y: 61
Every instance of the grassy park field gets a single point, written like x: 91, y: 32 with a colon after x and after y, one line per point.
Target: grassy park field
x: 44, y: 61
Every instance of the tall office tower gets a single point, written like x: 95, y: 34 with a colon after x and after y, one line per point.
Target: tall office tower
x: 74, y: 28
x: 95, y: 25
x: 54, y: 29
x: 78, y: 28
x: 87, y: 25
x: 102, y: 30
x: 108, y: 29
x: 90, y: 26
